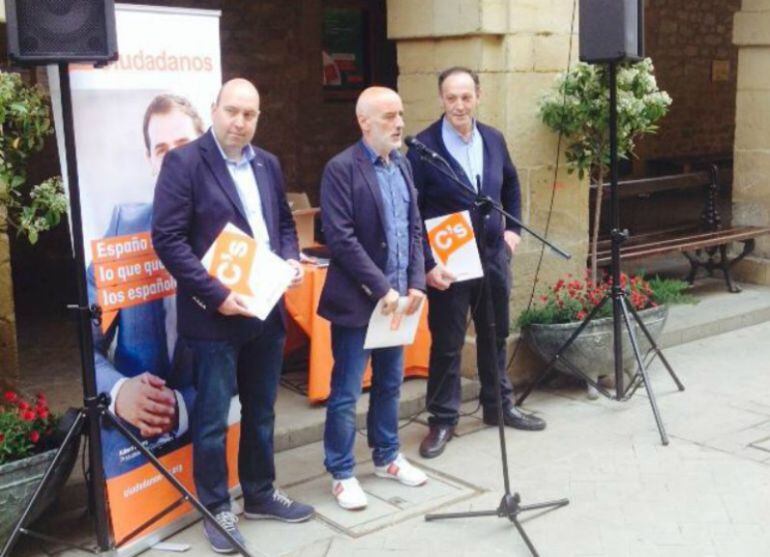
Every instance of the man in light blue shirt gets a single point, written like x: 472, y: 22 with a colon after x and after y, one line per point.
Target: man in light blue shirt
x: 476, y: 153
x: 467, y: 150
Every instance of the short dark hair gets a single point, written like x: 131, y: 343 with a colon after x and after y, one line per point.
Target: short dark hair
x: 165, y: 103
x: 457, y: 69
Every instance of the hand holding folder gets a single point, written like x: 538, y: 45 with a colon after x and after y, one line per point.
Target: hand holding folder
x: 248, y: 269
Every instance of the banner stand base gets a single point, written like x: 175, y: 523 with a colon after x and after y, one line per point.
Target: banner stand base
x: 96, y: 410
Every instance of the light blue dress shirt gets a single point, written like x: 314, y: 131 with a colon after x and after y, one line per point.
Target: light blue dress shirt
x: 470, y: 154
x: 395, y: 200
x: 246, y: 184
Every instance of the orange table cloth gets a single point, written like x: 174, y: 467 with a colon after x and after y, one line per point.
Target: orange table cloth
x: 301, y: 305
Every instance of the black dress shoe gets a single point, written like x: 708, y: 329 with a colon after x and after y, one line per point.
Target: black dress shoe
x: 436, y: 440
x: 513, y: 417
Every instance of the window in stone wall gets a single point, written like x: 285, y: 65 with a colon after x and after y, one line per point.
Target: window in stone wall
x: 345, y: 52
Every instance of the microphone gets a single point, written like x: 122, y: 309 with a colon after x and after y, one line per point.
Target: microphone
x: 414, y: 143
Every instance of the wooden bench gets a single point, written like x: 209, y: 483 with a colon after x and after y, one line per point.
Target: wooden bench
x: 704, y: 243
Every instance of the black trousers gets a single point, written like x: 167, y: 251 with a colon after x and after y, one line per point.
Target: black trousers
x: 447, y: 319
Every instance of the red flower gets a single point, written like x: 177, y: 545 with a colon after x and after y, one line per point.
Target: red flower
x: 34, y: 436
x: 581, y: 315
x: 10, y: 396
x: 2, y: 437
x: 28, y: 415
x: 42, y: 412
x: 23, y: 406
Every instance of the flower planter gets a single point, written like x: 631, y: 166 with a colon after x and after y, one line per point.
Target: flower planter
x: 19, y: 479
x: 592, y: 351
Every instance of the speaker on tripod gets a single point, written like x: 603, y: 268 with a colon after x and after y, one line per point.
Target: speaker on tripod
x: 53, y: 31
x: 611, y: 31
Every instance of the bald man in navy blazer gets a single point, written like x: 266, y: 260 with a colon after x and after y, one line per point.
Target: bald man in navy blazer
x: 373, y: 230
x: 217, y: 179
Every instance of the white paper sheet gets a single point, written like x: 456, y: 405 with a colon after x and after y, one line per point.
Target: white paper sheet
x: 453, y: 243
x: 396, y: 329
x: 261, y: 283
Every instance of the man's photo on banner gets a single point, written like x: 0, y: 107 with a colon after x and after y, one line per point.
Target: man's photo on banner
x: 139, y: 361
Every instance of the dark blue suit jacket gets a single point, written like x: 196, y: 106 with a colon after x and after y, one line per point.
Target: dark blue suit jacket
x: 139, y: 336
x: 353, y: 223
x: 195, y: 197
x: 440, y: 196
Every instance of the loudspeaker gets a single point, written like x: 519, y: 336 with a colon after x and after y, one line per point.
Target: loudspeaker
x: 611, y: 30
x: 54, y: 31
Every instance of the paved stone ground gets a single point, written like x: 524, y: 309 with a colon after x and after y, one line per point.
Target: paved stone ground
x: 706, y: 494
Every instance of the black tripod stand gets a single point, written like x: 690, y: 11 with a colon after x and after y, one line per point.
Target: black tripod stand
x: 621, y: 308
x: 95, y: 406
x: 510, y: 505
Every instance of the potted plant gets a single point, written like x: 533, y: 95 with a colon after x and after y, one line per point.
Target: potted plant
x: 25, y: 122
x: 578, y: 107
x: 29, y: 435
x: 552, y: 319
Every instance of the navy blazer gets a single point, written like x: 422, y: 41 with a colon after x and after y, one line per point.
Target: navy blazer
x: 195, y: 197
x: 354, y: 228
x: 440, y: 196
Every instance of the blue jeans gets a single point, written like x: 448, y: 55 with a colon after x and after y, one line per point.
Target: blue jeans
x: 250, y: 367
x: 382, y: 419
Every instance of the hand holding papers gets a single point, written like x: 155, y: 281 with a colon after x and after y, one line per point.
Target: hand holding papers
x: 394, y: 329
x: 248, y: 269
x: 453, y: 244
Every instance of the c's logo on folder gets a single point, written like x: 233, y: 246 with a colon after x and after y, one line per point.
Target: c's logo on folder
x: 450, y: 235
x: 232, y: 261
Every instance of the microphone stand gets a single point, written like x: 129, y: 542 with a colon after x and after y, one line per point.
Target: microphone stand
x: 510, y: 505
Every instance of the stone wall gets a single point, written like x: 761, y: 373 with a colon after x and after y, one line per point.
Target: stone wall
x: 518, y: 47
x: 751, y: 189
x: 9, y: 360
x: 687, y: 39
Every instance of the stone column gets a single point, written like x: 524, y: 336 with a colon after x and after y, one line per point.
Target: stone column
x: 751, y: 184
x: 9, y: 361
x: 517, y: 47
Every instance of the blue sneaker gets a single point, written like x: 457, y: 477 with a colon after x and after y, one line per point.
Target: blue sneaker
x: 217, y: 540
x: 279, y: 506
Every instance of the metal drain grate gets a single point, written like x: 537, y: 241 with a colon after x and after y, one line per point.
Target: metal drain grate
x: 389, y: 502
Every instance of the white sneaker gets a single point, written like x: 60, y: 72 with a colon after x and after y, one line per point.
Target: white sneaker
x: 349, y: 494
x: 401, y: 470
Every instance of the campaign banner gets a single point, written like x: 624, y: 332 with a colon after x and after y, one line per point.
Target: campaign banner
x: 127, y: 115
